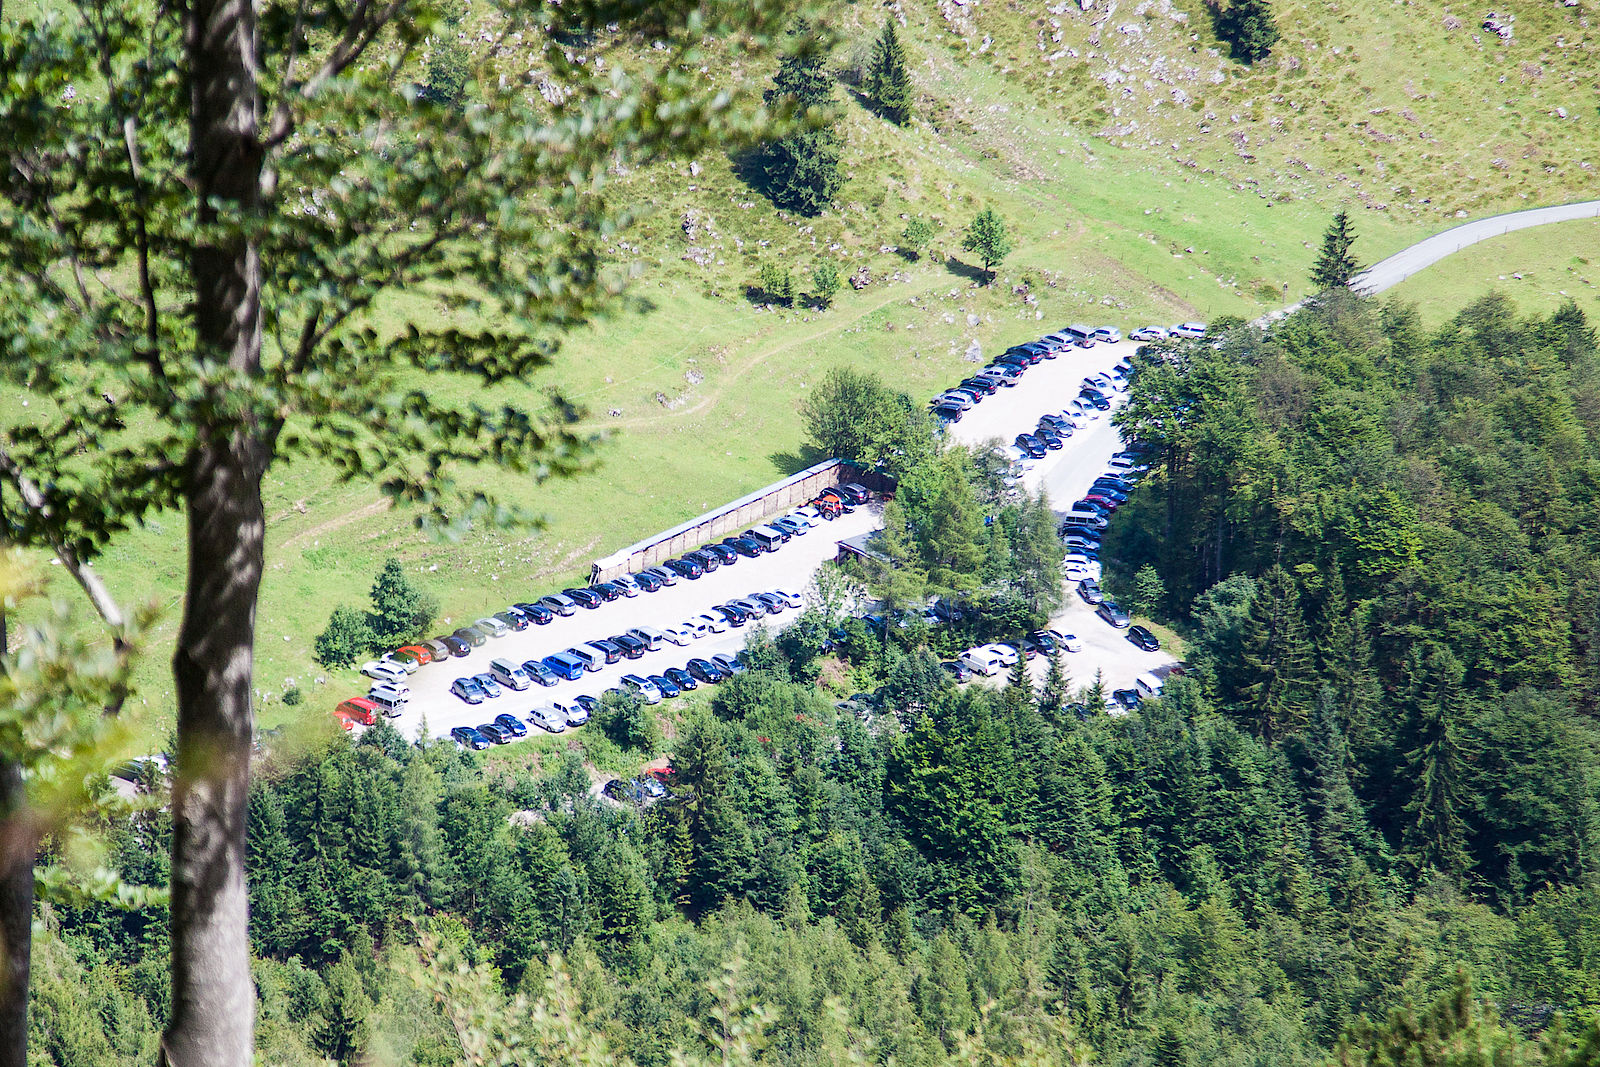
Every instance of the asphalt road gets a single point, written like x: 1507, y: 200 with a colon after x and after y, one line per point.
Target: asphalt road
x: 1064, y: 475
x: 1403, y: 264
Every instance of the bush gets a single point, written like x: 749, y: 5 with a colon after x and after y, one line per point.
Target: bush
x: 778, y: 284
x: 825, y: 283
x: 292, y: 696
x: 916, y: 238
x: 346, y: 639
x: 628, y: 721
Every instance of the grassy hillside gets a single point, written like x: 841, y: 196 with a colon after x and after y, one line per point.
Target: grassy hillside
x: 1148, y: 178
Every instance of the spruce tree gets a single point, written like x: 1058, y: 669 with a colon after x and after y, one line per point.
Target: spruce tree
x: 1339, y: 829
x: 888, y: 78
x: 1248, y: 27
x: 1056, y: 690
x: 401, y: 610
x: 1436, y: 834
x: 1170, y: 1049
x: 1335, y: 266
x: 801, y: 171
x: 1276, y: 659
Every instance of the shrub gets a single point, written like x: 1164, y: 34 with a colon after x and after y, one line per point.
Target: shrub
x: 916, y: 238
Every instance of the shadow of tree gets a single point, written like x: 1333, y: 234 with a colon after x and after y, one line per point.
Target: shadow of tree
x: 966, y: 270
x: 798, y: 460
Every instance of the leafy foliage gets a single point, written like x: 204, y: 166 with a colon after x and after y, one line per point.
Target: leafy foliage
x: 916, y: 237
x: 824, y: 283
x: 988, y: 238
x: 1248, y: 27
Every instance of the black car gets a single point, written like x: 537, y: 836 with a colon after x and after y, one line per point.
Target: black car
x: 1146, y: 640
x: 709, y: 561
x: 537, y: 614
x: 586, y: 598
x: 1100, y: 402
x: 608, y: 591
x: 855, y: 493
x: 587, y: 702
x: 735, y: 616
x: 981, y: 385
x: 1042, y: 642
x: 1062, y: 424
x: 611, y: 651
x: 744, y: 546
x: 1089, y: 591
x: 494, y: 733
x: 725, y: 553
x: 647, y: 581
x: 959, y: 671
x: 511, y: 725
x: 470, y: 635
x: 1127, y: 698
x: 703, y: 670
x: 668, y: 687
x: 685, y: 568
x: 514, y: 619
x: 456, y: 646
x: 631, y: 646
x: 1031, y: 445
x: 470, y: 738
x: 1051, y: 440
x: 681, y: 678
x: 947, y: 411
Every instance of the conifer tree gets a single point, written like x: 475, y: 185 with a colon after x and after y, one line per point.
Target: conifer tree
x: 1169, y: 1049
x: 1437, y: 831
x: 1339, y: 830
x: 1275, y: 658
x: 888, y: 78
x: 1018, y: 692
x: 401, y: 610
x: 1335, y: 266
x: 801, y: 171
x: 1248, y: 27
x: 1057, y: 687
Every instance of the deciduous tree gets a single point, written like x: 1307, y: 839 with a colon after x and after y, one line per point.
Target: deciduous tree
x: 988, y: 238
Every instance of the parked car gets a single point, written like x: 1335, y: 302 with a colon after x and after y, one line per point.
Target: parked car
x: 1043, y: 642
x: 471, y: 635
x: 733, y: 615
x: 467, y: 737
x: 681, y: 678
x: 790, y: 526
x: 723, y: 552
x: 647, y: 581
x: 1089, y: 591
x: 685, y: 568
x: 564, y: 666
x: 539, y: 673
x: 537, y: 614
x: 954, y: 398
x: 855, y: 493
x: 772, y: 602
x: 456, y: 646
x: 516, y: 620
x: 421, y: 652
x: 585, y: 704
x: 1189, y: 329
x: 548, y: 718
x: 511, y: 725
x: 558, y: 604
x: 729, y: 665
x: 716, y: 622
x: 438, y: 649
x: 1112, y: 614
x: 1149, y: 333
x: 1108, y: 334
x: 486, y: 681
x: 957, y: 670
x: 606, y: 591
x: 1069, y: 642
x: 632, y: 647
x: 494, y: 733
x: 744, y: 546
x: 406, y: 661
x: 1144, y: 639
x: 1128, y: 699
x: 626, y: 583
x: 753, y: 608
x: 641, y: 687
x: 1031, y: 445
x: 678, y: 635
x: 609, y: 652
x: 511, y: 675
x: 1082, y: 543
x: 703, y: 670
x: 380, y: 671
x: 708, y: 561
x: 491, y: 627
x: 584, y: 598
x: 1077, y: 567
x: 662, y: 575
x: 1050, y: 439
x: 667, y: 686
x: 468, y: 689
x: 984, y: 386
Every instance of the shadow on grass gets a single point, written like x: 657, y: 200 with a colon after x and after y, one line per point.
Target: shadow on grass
x: 800, y: 459
x: 966, y: 270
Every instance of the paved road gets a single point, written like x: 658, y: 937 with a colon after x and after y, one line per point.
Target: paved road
x: 1403, y: 264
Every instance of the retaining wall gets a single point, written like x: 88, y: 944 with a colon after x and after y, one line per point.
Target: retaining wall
x: 735, y: 517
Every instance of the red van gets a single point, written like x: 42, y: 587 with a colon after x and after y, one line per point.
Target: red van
x: 358, y: 709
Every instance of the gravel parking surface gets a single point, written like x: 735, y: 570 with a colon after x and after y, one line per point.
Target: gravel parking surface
x: 1064, y: 475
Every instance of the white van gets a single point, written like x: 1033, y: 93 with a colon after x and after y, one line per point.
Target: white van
x: 1084, y: 517
x: 391, y: 699
x: 651, y: 637
x: 982, y: 660
x: 1148, y: 686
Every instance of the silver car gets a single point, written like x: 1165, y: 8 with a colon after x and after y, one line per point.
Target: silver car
x: 548, y: 718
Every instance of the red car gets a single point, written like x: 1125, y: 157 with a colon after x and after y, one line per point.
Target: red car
x: 417, y: 652
x: 358, y: 709
x: 1104, y: 501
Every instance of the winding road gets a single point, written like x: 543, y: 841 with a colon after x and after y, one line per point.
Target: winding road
x: 1403, y: 264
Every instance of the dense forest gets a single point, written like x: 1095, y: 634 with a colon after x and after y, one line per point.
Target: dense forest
x: 1374, y: 791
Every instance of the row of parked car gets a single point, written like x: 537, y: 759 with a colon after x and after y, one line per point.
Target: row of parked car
x: 555, y: 716
x: 991, y: 659
x: 1006, y: 369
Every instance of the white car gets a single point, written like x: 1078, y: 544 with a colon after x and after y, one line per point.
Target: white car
x: 1070, y: 642
x: 1149, y: 333
x: 548, y: 718
x: 1109, y: 334
x: 492, y: 626
x: 808, y: 513
x: 1076, y: 567
x: 714, y: 623
x: 1189, y: 329
x: 383, y: 672
x: 407, y: 664
x: 678, y: 635
x: 793, y: 600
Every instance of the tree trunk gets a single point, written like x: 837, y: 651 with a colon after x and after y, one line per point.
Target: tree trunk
x: 213, y: 997
x: 17, y: 849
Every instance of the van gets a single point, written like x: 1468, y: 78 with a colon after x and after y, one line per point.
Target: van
x: 1148, y: 685
x: 358, y: 709
x: 1081, y: 336
x: 561, y: 605
x: 651, y: 637
x: 591, y: 658
x: 390, y: 699
x: 767, y: 537
x: 609, y: 653
x: 985, y: 660
x: 510, y: 674
x: 1084, y: 517
x: 566, y: 666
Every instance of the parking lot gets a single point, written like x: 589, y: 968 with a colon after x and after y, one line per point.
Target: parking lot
x: 1064, y: 475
